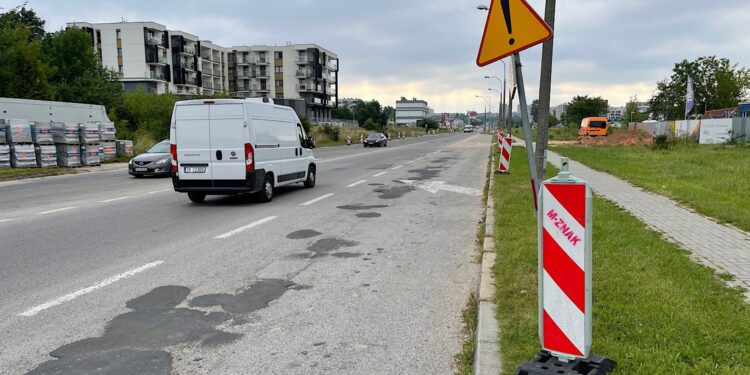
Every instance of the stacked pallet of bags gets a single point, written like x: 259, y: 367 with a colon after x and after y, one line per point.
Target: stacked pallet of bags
x: 107, y: 141
x: 18, y: 136
x: 44, y: 144
x: 90, y: 144
x: 67, y: 138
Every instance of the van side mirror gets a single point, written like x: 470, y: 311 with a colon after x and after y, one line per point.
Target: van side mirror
x: 309, y: 142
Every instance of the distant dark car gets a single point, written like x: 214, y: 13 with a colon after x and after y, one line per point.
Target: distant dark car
x: 157, y: 161
x: 376, y: 139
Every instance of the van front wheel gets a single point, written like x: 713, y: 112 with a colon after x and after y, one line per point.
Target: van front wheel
x: 196, y: 197
x: 310, y: 181
x: 266, y: 194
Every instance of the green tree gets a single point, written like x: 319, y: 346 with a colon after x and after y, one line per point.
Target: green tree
x: 717, y: 84
x: 585, y: 106
x: 534, y: 111
x: 78, y: 76
x: 341, y: 113
x: 141, y: 112
x: 23, y: 18
x: 369, y: 124
x: 553, y: 121
x: 368, y: 110
x: 389, y: 113
x: 632, y: 113
x: 23, y: 74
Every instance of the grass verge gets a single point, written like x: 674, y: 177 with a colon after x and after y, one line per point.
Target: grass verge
x: 557, y: 134
x: 655, y: 311
x: 7, y: 174
x: 712, y: 179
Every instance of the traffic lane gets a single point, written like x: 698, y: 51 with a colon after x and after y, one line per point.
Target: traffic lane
x: 391, y: 303
x: 195, y: 254
x: 96, y: 242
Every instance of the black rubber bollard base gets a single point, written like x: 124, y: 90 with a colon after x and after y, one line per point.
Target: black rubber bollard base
x: 498, y: 172
x: 546, y: 363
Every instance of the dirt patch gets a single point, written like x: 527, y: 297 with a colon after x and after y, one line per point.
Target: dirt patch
x: 304, y: 233
x: 620, y: 138
x: 368, y: 214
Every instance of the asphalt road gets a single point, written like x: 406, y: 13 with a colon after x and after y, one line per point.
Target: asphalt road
x: 366, y: 273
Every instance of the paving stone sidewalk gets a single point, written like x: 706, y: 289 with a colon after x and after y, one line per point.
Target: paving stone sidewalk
x: 718, y: 246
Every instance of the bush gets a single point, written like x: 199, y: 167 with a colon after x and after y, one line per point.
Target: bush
x: 305, y: 123
x: 663, y: 142
x: 331, y: 132
x: 371, y: 125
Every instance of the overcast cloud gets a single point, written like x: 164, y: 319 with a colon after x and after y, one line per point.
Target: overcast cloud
x: 427, y: 48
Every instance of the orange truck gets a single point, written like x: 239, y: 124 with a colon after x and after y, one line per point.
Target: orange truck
x: 593, y: 127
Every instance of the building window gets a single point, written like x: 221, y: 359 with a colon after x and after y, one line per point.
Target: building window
x: 279, y: 83
x: 119, y: 52
x: 279, y: 69
x: 278, y: 55
x: 118, y: 33
x: 119, y: 69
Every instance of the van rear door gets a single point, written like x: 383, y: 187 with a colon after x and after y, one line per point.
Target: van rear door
x: 192, y: 133
x: 228, y: 137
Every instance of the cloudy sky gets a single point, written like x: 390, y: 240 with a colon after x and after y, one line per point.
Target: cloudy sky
x: 427, y: 48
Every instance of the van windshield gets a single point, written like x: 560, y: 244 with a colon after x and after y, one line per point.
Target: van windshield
x: 598, y: 124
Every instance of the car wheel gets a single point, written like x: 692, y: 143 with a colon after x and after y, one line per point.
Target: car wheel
x: 385, y: 144
x: 266, y: 194
x: 310, y: 182
x: 197, y: 197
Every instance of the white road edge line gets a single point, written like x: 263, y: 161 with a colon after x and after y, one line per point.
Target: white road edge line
x: 396, y: 167
x: 356, y: 183
x: 318, y: 199
x: 379, y: 174
x: 55, y: 210
x: 113, y: 199
x: 5, y: 220
x: 69, y: 297
x: 159, y: 191
x: 246, y: 227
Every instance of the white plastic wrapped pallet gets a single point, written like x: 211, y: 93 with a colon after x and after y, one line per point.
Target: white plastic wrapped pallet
x: 3, y: 139
x: 66, y: 132
x: 46, y: 155
x: 109, y: 150
x: 22, y: 156
x: 89, y: 132
x: 18, y: 131
x: 41, y: 133
x: 4, y: 156
x: 68, y: 155
x: 107, y: 131
x: 124, y: 147
x: 90, y: 154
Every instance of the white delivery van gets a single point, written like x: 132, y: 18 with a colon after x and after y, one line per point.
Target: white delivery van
x: 238, y: 146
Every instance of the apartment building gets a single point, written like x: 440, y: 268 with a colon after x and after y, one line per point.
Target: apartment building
x: 408, y: 112
x: 150, y: 57
x: 303, y: 76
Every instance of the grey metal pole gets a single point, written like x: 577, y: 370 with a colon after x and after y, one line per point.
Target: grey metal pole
x: 526, y: 125
x: 545, y: 82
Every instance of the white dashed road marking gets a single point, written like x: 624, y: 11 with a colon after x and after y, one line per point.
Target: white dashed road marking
x: 69, y: 297
x: 246, y: 227
x: 318, y: 199
x: 379, y: 174
x: 55, y: 210
x: 356, y: 183
x: 113, y: 199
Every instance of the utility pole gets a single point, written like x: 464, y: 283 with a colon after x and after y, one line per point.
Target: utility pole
x: 545, y: 83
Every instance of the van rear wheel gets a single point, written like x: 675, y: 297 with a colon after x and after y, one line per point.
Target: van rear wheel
x: 266, y: 194
x: 197, y: 197
x: 310, y: 181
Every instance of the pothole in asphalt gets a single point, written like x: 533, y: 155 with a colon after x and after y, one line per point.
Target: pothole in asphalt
x: 393, y: 192
x: 327, y: 245
x: 302, y: 234
x: 257, y: 297
x: 361, y: 206
x: 425, y: 173
x: 376, y: 184
x: 368, y: 214
x: 132, y: 341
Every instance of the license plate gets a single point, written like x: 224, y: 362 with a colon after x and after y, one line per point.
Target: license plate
x: 141, y: 169
x: 195, y: 169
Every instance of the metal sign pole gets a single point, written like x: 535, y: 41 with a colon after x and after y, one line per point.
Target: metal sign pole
x: 526, y: 125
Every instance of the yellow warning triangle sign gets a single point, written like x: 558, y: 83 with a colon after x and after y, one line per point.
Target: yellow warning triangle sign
x: 512, y: 26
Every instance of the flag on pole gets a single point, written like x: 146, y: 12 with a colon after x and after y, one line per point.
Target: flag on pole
x: 689, y: 97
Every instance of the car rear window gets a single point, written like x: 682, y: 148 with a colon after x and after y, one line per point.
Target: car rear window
x: 598, y: 124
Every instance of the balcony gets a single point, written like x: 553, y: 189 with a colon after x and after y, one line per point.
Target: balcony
x: 302, y: 60
x: 261, y: 88
x: 188, y: 51
x: 260, y: 74
x: 303, y: 74
x: 161, y: 60
x: 258, y: 60
x: 155, y: 75
x: 153, y: 41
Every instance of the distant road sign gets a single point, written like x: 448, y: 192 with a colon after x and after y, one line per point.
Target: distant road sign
x: 511, y: 27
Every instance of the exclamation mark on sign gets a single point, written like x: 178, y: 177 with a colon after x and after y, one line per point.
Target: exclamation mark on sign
x: 506, y: 12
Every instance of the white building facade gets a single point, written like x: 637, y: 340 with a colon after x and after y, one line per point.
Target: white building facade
x: 408, y: 112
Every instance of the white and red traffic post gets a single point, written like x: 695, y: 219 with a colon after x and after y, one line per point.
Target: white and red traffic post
x: 505, y: 146
x: 565, y: 236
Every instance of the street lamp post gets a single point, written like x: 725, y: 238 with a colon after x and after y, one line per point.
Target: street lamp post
x: 485, y: 109
x: 501, y: 104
